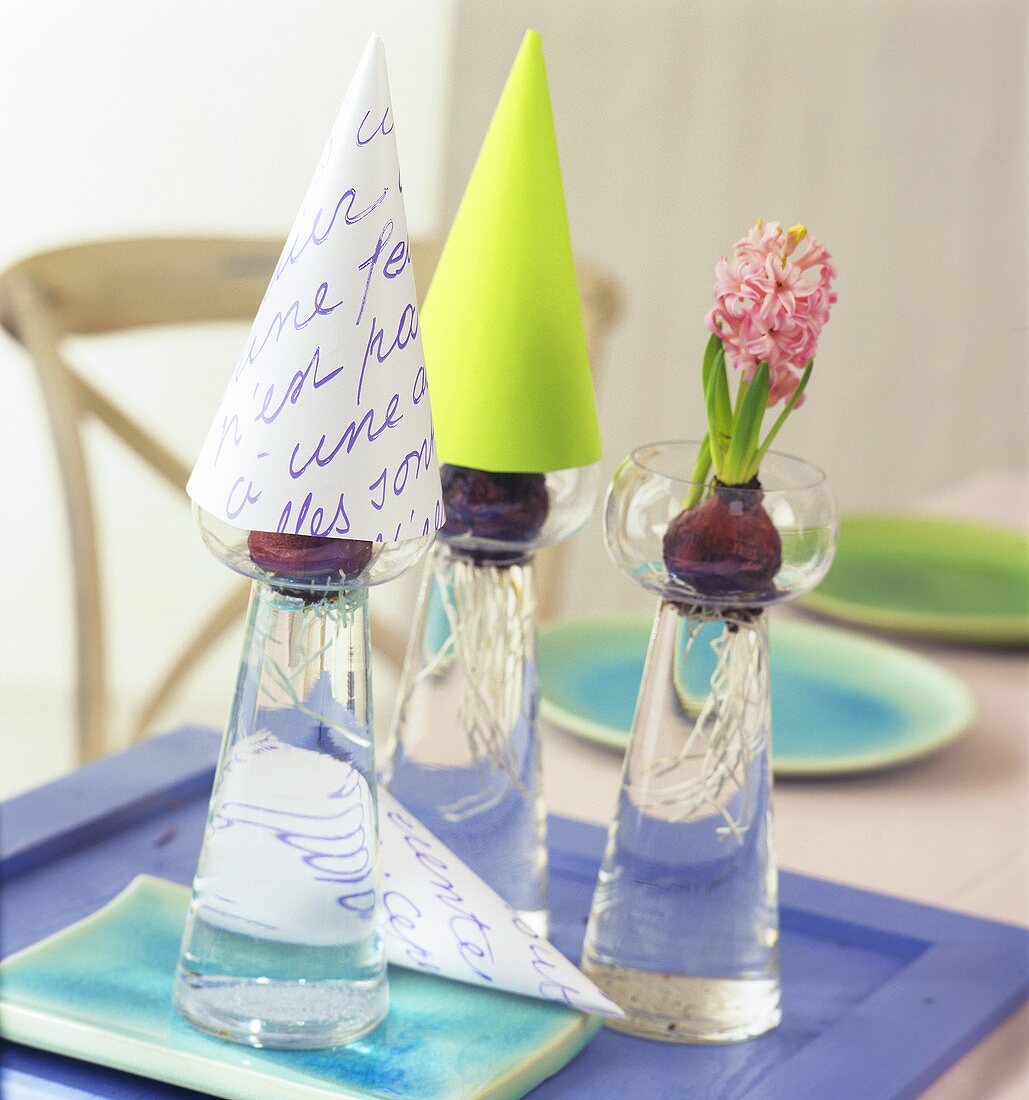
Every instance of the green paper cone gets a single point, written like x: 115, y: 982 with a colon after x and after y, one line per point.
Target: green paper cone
x: 502, y: 323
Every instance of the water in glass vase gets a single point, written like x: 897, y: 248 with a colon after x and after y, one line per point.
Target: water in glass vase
x: 465, y: 753
x: 282, y: 945
x: 683, y: 931
x: 295, y: 1002
x: 496, y: 835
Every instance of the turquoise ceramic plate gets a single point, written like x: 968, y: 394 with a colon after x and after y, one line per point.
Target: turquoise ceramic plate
x: 929, y: 577
x: 840, y: 703
x: 101, y: 991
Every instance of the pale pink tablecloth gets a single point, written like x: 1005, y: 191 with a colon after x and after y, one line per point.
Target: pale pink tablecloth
x: 951, y: 830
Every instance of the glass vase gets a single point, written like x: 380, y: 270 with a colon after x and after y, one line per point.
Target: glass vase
x: 282, y: 945
x: 683, y: 931
x: 464, y: 756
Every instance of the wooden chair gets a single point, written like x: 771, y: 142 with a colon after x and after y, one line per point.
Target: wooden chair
x: 110, y: 286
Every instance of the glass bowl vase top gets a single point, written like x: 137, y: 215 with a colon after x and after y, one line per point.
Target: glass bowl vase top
x: 502, y: 517
x: 323, y: 564
x: 652, y: 487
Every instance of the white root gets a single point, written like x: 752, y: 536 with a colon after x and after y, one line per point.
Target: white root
x: 491, y: 612
x: 725, y: 739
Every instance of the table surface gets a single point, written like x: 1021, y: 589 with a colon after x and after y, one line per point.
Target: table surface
x: 950, y: 830
x: 862, y: 971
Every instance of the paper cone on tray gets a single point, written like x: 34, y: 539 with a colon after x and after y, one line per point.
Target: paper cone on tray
x: 438, y: 916
x: 325, y: 428
x: 443, y: 919
x: 504, y: 339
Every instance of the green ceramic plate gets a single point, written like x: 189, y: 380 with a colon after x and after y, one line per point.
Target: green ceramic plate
x: 101, y: 991
x: 841, y: 703
x: 934, y: 578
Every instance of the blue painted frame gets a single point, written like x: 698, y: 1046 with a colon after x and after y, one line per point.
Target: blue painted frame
x: 950, y: 980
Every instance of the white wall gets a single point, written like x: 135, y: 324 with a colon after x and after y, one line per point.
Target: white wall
x: 896, y: 130
x: 125, y: 118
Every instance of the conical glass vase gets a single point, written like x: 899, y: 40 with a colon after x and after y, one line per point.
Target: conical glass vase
x: 683, y: 930
x: 684, y: 924
x: 282, y: 946
x: 464, y: 755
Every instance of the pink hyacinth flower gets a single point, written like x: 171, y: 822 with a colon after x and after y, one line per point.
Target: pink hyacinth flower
x: 771, y: 300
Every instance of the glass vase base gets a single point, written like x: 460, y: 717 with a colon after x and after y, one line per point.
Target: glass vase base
x: 281, y: 1015
x: 677, y: 1009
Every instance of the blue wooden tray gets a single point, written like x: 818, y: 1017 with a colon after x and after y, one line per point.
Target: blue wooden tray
x: 881, y: 994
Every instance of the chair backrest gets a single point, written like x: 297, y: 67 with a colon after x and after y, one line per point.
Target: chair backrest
x: 112, y: 286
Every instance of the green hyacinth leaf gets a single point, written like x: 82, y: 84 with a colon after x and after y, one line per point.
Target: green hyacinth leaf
x: 746, y: 429
x: 698, y: 478
x: 711, y: 352
x: 716, y: 438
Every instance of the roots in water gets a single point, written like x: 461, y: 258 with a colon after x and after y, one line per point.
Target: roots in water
x: 726, y: 735
x: 491, y: 612
x: 303, y: 680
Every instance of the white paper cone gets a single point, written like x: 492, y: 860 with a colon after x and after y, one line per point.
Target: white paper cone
x: 325, y: 426
x: 443, y: 919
